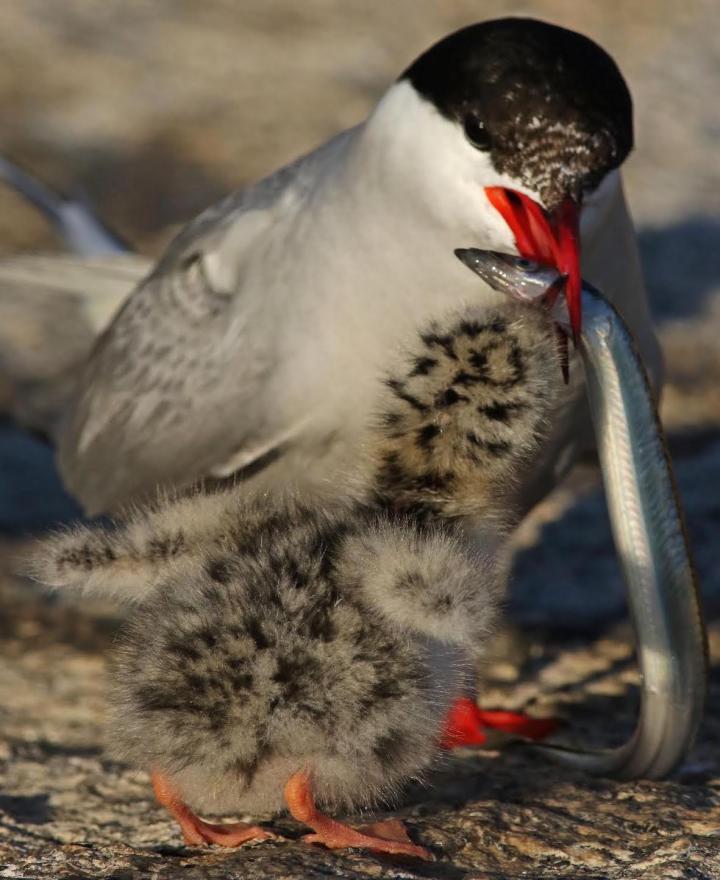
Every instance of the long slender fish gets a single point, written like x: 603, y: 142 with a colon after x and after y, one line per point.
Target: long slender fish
x: 647, y: 523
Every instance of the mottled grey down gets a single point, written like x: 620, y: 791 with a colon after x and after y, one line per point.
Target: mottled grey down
x: 274, y: 635
x: 276, y: 656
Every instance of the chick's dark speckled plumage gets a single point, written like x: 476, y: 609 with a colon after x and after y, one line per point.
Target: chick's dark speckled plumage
x: 275, y: 635
x: 465, y: 410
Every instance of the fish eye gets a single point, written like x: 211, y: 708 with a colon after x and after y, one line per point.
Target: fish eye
x: 528, y: 265
x: 476, y: 133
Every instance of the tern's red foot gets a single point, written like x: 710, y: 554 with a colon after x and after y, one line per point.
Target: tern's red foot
x: 197, y: 832
x: 467, y: 725
x: 382, y: 837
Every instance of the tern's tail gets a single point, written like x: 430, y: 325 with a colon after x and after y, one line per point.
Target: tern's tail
x: 52, y: 309
x: 83, y: 233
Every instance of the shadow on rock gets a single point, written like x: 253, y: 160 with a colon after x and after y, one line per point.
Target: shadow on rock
x: 31, y: 809
x: 32, y: 497
x: 682, y: 265
x: 570, y: 578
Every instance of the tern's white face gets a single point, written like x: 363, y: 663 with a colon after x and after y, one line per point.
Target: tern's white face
x: 424, y: 161
x: 597, y: 203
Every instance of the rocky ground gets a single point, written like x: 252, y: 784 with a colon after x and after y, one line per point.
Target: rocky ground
x: 155, y: 109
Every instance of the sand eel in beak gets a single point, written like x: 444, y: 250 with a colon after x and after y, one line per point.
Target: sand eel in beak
x: 284, y: 652
x: 646, y: 517
x: 253, y: 347
x: 545, y: 242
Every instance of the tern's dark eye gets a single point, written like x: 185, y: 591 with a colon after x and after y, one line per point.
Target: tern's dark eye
x: 476, y: 133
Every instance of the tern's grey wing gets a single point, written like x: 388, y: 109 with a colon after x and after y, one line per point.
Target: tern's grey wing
x: 52, y: 309
x: 173, y: 389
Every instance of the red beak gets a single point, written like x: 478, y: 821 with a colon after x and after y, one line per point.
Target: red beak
x: 552, y: 240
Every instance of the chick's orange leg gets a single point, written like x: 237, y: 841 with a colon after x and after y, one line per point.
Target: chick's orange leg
x: 195, y: 831
x: 383, y: 837
x: 388, y: 829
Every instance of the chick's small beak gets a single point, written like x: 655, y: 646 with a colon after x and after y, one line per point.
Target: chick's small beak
x: 552, y: 239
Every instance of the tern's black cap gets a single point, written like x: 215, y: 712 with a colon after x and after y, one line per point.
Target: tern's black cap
x: 549, y: 105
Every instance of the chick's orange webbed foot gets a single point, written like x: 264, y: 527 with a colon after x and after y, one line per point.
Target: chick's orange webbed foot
x: 389, y: 836
x: 196, y: 831
x: 467, y: 725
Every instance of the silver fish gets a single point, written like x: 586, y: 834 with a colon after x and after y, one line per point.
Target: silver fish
x: 647, y: 523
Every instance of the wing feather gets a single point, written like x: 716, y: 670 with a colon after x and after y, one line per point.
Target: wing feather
x: 174, y: 387
x: 52, y: 309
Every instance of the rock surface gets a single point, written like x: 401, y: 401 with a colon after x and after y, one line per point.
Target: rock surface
x: 158, y: 109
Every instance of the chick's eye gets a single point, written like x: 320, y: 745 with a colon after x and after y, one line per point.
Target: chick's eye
x: 476, y: 133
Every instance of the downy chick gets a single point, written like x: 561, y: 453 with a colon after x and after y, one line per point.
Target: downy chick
x: 289, y: 652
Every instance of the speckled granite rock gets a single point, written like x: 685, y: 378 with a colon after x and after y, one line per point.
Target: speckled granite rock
x: 158, y: 109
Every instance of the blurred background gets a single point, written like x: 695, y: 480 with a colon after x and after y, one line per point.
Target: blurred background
x: 153, y: 109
